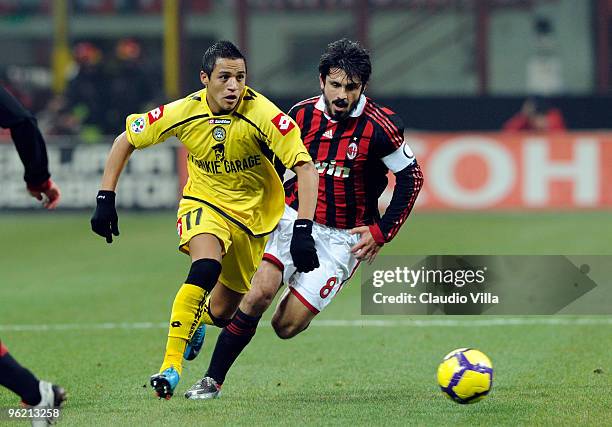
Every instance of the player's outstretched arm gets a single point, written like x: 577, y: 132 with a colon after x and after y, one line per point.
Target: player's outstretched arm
x: 31, y: 147
x: 104, y: 220
x: 302, y: 248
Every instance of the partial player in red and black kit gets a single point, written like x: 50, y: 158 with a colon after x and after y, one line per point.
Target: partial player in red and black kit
x: 33, y: 153
x: 31, y: 148
x: 354, y: 143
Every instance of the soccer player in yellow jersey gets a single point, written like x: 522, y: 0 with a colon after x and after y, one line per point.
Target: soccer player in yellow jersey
x: 232, y: 200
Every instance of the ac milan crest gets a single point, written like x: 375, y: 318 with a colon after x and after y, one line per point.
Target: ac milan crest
x: 351, y: 151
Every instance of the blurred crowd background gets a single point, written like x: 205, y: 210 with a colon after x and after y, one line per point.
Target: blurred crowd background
x: 454, y: 66
x: 81, y: 66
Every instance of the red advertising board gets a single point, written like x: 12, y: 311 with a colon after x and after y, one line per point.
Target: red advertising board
x: 482, y: 171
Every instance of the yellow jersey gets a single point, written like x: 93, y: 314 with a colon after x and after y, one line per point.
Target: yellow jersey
x: 229, y: 157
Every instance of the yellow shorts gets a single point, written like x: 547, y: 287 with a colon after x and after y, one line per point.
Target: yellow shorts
x: 242, y: 252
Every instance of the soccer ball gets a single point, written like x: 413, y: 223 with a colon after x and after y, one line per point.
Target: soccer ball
x: 465, y: 375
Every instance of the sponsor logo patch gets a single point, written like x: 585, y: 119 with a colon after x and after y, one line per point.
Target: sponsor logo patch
x: 156, y: 114
x: 138, y: 125
x: 283, y: 123
x: 219, y: 122
x: 179, y: 227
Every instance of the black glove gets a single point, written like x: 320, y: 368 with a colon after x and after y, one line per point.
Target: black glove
x: 104, y: 220
x: 302, y: 249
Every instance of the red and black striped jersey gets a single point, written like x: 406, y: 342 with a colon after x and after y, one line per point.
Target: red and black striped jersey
x: 352, y: 158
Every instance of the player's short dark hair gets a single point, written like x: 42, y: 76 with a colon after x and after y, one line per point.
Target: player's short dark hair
x: 350, y: 57
x: 221, y: 49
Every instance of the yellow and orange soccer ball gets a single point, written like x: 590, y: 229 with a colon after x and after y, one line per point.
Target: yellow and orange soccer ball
x: 465, y: 375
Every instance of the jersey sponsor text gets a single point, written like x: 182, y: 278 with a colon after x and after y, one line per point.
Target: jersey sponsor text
x: 226, y: 166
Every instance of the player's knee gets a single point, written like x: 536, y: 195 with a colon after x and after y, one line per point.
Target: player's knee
x: 204, y: 273
x: 265, y: 285
x: 258, y: 299
x: 219, y: 321
x: 286, y: 330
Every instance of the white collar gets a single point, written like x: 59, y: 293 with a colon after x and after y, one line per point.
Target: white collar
x: 320, y: 105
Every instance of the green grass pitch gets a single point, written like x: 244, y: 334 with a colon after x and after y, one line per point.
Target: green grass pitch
x: 55, y: 272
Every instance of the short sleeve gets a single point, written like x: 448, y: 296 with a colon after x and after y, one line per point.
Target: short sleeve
x: 284, y: 139
x: 153, y: 127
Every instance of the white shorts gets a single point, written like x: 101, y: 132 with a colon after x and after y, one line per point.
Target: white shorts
x: 317, y: 288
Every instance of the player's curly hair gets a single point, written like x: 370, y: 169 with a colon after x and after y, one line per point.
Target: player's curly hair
x: 221, y: 49
x: 350, y: 57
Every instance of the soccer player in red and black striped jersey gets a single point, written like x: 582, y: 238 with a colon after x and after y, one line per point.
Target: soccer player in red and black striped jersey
x: 354, y: 143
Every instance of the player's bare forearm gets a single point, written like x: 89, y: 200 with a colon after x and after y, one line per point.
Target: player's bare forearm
x: 116, y: 161
x: 308, y: 184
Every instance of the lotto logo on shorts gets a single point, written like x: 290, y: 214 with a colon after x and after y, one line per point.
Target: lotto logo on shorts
x: 179, y: 227
x: 283, y: 123
x: 156, y: 114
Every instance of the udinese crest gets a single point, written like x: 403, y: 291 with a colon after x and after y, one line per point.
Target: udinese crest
x: 219, y: 133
